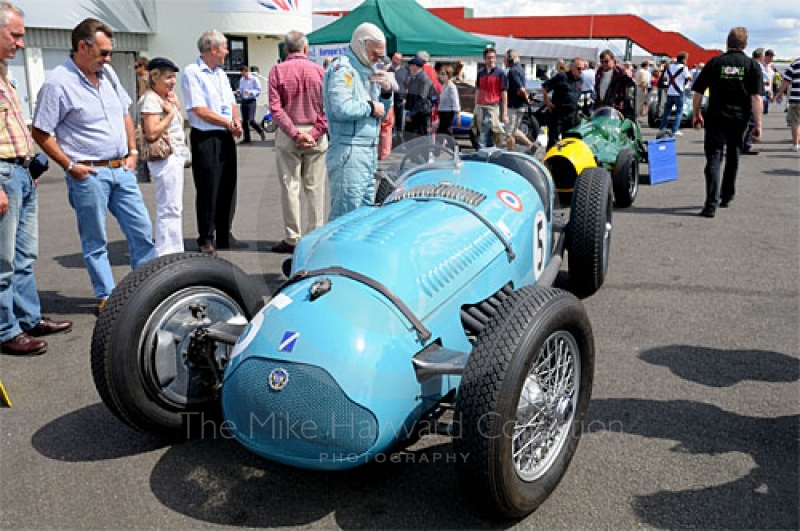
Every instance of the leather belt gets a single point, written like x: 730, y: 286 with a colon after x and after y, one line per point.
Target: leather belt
x: 113, y: 163
x: 19, y: 161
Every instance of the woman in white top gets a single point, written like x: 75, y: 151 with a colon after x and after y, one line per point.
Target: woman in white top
x: 449, y: 102
x: 160, y: 111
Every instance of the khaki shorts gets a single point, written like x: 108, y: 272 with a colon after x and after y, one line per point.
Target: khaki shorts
x: 515, y: 117
x: 793, y: 115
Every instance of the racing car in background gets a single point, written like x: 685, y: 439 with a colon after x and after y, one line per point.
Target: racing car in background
x: 438, y: 299
x: 605, y: 141
x: 655, y: 110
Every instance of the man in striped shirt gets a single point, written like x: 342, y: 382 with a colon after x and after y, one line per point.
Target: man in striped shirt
x: 21, y: 321
x: 791, y: 86
x: 301, y: 141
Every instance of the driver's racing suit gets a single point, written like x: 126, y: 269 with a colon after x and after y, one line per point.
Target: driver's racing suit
x: 352, y: 151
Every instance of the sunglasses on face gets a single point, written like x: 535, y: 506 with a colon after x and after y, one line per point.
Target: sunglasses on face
x: 103, y: 53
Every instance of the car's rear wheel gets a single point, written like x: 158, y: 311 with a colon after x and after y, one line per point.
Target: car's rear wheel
x: 268, y: 125
x: 522, y: 401
x: 626, y: 178
x: 590, y: 231
x: 150, y: 362
x: 530, y: 127
x: 652, y: 115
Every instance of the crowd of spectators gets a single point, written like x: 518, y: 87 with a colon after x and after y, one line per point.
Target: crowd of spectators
x: 333, y: 125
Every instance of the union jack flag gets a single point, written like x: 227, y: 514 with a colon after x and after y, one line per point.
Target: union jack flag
x: 282, y: 5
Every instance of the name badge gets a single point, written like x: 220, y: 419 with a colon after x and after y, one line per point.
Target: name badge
x: 225, y: 110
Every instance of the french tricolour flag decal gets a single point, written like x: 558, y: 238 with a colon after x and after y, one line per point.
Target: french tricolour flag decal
x: 510, y: 199
x: 288, y: 341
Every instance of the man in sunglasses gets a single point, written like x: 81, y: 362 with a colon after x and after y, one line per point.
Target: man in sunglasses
x: 612, y: 86
x: 82, y: 123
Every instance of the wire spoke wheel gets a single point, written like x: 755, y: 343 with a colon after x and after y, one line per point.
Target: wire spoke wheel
x: 522, y: 401
x: 546, y: 407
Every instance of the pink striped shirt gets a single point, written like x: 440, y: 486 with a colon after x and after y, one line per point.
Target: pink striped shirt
x: 295, y: 96
x: 15, y: 139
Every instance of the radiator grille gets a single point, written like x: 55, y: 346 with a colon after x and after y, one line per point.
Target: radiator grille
x: 311, y: 416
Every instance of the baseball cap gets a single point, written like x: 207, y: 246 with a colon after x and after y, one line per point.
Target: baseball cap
x: 769, y: 52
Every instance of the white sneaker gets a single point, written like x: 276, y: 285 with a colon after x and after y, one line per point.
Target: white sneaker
x: 678, y: 133
x: 796, y: 148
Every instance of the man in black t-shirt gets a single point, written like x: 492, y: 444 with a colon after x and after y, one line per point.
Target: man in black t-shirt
x: 563, y: 106
x: 735, y: 90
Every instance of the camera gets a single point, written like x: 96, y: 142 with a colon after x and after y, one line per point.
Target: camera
x: 38, y: 165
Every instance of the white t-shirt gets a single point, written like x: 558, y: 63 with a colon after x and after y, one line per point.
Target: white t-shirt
x: 680, y: 74
x: 150, y: 102
x: 605, y: 81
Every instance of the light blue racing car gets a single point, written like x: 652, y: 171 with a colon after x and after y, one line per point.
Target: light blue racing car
x: 432, y: 312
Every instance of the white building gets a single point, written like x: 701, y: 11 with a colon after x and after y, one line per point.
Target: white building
x: 166, y: 28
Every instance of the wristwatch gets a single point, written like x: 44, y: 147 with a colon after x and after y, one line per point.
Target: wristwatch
x: 71, y: 165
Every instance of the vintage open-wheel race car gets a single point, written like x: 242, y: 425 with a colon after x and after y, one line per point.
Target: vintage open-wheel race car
x: 605, y: 141
x: 438, y: 300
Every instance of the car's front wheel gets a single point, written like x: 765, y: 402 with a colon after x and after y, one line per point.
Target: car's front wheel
x: 522, y: 401
x: 152, y: 363
x: 626, y: 178
x: 590, y: 231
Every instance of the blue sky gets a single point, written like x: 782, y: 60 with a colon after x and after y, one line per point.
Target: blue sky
x: 774, y: 24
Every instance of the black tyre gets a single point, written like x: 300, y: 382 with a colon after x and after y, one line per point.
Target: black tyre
x: 653, y: 119
x: 626, y: 178
x: 147, y: 367
x: 589, y: 231
x: 522, y: 401
x: 530, y: 127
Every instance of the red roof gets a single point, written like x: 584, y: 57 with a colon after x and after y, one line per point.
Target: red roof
x: 632, y: 27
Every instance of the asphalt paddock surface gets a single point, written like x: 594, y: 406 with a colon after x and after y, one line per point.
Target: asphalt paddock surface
x: 693, y: 421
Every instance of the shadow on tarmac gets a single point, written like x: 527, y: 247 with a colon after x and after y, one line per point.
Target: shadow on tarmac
x: 222, y: 483
x: 766, y: 497
x: 218, y: 481
x: 724, y: 368
x: 92, y: 434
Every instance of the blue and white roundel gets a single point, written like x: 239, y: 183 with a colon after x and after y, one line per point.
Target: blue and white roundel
x: 510, y: 199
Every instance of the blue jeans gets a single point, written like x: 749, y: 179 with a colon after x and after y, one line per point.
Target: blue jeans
x: 114, y: 190
x: 675, y: 102
x: 19, y: 248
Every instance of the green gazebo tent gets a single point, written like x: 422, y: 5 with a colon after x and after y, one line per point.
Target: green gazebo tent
x: 408, y: 27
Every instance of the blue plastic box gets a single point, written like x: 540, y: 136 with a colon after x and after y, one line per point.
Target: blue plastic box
x: 663, y: 161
